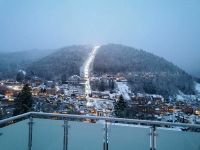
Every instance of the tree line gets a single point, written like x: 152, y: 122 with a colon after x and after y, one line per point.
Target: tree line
x: 167, y: 78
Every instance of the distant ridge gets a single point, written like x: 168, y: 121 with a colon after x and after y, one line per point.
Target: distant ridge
x: 153, y: 74
x: 11, y: 62
x: 165, y: 78
x: 64, y: 62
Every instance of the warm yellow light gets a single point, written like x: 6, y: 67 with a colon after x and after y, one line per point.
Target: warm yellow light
x: 197, y: 112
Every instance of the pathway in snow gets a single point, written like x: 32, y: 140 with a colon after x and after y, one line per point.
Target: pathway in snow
x: 87, y: 69
x: 123, y: 90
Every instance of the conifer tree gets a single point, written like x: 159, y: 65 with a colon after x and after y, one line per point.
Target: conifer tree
x: 24, y: 101
x: 120, y: 107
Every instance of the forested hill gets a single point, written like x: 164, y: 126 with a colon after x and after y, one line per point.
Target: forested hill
x: 115, y: 58
x: 145, y: 72
x: 154, y: 74
x: 11, y: 62
x: 63, y: 63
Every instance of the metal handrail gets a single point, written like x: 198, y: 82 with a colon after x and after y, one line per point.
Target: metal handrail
x: 7, y: 120
x: 108, y: 119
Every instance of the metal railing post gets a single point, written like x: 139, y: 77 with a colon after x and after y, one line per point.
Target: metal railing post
x: 153, y: 136
x: 30, y: 123
x: 65, y: 139
x: 106, y: 135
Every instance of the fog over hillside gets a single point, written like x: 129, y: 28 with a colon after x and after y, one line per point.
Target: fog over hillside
x: 169, y: 29
x: 11, y: 62
x: 145, y: 72
x: 63, y: 63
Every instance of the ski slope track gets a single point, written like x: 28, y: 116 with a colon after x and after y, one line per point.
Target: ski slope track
x: 87, y: 70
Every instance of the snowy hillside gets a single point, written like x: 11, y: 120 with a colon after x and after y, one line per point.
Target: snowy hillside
x: 197, y: 87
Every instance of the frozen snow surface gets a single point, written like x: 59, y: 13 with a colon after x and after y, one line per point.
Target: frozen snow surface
x: 123, y: 90
x: 183, y: 97
x: 87, y: 70
x: 197, y: 87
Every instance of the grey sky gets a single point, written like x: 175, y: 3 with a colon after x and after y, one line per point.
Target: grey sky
x: 168, y: 28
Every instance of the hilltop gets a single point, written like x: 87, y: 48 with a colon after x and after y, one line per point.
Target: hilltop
x: 145, y: 71
x: 61, y: 64
x: 11, y: 62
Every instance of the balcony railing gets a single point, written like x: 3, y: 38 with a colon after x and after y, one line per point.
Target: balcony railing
x: 43, y: 131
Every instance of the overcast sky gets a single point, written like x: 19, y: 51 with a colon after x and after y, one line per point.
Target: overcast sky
x: 168, y: 28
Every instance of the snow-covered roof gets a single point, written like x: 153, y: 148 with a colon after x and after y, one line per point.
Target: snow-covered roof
x: 22, y: 71
x: 74, y: 77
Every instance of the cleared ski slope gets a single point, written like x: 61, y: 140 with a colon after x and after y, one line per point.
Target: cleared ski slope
x: 87, y: 69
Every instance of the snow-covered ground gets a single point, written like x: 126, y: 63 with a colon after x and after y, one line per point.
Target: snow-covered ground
x: 87, y: 70
x: 197, y: 87
x: 183, y: 97
x: 123, y: 90
x: 100, y: 104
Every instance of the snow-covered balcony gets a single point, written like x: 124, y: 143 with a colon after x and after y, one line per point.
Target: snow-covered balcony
x: 42, y: 131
